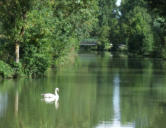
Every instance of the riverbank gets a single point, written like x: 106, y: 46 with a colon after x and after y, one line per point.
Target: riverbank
x: 13, y: 71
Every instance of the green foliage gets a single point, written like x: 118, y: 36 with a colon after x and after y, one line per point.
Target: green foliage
x: 45, y: 30
x: 103, y: 28
x: 61, y: 50
x: 158, y: 10
x: 159, y: 26
x: 143, y: 31
x: 36, y: 47
x: 140, y: 33
x: 136, y: 27
x: 158, y: 6
x: 5, y: 71
x: 17, y: 67
x: 13, y: 15
x: 116, y: 34
x: 74, y: 20
x: 103, y: 43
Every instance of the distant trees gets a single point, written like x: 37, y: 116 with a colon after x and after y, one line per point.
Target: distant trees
x: 141, y: 26
x: 137, y: 25
x: 129, y: 24
x: 105, y: 16
x: 157, y: 8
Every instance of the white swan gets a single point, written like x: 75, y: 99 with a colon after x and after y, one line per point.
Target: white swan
x: 51, y: 97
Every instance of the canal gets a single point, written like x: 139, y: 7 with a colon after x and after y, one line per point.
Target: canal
x: 98, y: 90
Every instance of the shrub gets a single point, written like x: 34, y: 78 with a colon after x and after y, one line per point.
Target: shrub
x: 5, y: 70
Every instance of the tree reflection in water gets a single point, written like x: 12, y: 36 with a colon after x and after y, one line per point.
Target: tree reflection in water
x: 3, y: 103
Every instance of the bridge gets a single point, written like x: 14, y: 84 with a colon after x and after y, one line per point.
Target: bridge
x: 88, y: 44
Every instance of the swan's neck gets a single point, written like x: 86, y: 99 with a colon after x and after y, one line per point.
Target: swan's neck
x: 56, y: 93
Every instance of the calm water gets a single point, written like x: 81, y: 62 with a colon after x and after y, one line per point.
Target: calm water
x: 98, y: 91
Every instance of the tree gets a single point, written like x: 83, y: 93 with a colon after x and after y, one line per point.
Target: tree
x: 103, y: 28
x: 41, y: 32
x: 158, y: 6
x: 13, y: 17
x: 137, y: 25
x: 159, y: 15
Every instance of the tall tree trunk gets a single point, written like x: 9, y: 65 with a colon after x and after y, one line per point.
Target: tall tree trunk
x: 17, y: 47
x: 17, y: 50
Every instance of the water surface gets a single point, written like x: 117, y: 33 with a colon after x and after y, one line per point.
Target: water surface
x: 97, y: 91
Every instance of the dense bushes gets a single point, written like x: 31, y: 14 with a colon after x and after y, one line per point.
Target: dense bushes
x: 5, y: 70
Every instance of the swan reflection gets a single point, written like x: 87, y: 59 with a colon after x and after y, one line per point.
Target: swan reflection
x: 115, y: 123
x: 50, y: 101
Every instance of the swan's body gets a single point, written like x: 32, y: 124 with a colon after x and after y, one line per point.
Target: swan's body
x: 51, y: 97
